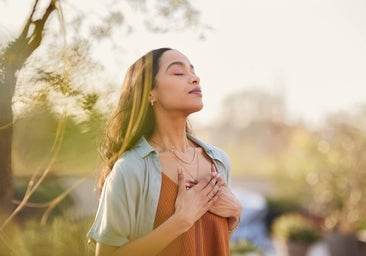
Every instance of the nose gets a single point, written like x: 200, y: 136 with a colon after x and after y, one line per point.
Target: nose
x: 195, y: 79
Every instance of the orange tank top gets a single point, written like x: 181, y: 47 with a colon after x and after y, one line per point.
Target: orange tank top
x: 209, y: 236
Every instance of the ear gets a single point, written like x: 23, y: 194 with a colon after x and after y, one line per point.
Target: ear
x: 151, y: 99
x: 151, y: 96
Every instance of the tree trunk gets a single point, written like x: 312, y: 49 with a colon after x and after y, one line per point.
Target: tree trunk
x: 13, y: 59
x: 6, y: 130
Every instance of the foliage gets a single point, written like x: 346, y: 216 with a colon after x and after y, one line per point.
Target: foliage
x: 78, y: 151
x: 244, y: 247
x: 98, y: 22
x: 65, y: 236
x: 362, y: 224
x: 39, y: 200
x: 324, y: 169
x: 295, y: 227
x: 338, y: 185
x: 61, y: 237
x: 280, y: 205
x: 63, y: 79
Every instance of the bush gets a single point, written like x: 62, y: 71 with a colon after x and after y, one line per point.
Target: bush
x: 278, y: 206
x: 244, y: 247
x: 296, y: 228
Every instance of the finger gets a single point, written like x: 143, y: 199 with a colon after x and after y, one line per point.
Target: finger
x: 211, y: 194
x: 193, y: 181
x: 188, y: 185
x: 181, y: 182
x: 220, y: 180
x: 213, y: 168
x: 214, y: 198
x: 207, y: 181
x: 201, y: 184
x: 211, y: 186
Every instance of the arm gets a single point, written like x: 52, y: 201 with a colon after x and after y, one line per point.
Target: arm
x: 190, y: 206
x: 150, y: 244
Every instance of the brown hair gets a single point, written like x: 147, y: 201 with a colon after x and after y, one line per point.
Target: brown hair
x: 134, y: 117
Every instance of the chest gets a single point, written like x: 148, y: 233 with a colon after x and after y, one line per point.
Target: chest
x: 195, y: 165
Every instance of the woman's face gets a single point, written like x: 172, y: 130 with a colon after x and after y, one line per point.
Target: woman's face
x: 177, y: 86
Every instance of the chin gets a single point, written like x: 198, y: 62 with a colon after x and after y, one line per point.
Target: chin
x: 196, y: 108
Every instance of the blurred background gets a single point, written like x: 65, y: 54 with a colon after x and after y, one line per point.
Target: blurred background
x: 284, y: 91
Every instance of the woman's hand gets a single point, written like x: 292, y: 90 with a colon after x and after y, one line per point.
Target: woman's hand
x: 228, y: 205
x: 192, y: 203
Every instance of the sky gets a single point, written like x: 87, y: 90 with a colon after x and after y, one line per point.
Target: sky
x: 314, y: 52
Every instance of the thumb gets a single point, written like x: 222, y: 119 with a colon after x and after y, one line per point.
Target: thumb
x: 181, y: 181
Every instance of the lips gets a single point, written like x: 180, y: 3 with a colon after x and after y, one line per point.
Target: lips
x: 196, y: 90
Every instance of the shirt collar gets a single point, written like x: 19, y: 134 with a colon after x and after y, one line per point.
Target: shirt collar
x: 143, y: 148
x: 209, y: 149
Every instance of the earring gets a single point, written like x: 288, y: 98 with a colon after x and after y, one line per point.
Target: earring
x: 152, y: 103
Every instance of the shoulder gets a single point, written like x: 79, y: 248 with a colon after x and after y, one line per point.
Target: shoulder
x: 129, y: 174
x: 132, y: 162
x: 129, y: 160
x: 218, y: 153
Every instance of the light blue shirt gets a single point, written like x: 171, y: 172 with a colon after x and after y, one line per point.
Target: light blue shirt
x: 131, y: 192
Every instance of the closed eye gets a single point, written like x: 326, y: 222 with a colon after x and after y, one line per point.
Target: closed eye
x: 179, y: 68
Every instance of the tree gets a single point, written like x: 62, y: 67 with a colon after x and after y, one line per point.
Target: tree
x: 338, y: 186
x: 17, y: 53
x: 13, y: 59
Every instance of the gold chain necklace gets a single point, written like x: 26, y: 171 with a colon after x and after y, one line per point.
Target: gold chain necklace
x: 182, y: 161
x: 195, y: 179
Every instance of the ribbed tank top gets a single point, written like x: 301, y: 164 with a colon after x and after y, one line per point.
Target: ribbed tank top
x: 209, y: 236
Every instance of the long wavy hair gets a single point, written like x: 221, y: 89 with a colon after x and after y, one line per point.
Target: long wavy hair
x: 134, y: 116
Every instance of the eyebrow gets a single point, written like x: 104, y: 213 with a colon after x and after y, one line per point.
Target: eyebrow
x: 178, y: 63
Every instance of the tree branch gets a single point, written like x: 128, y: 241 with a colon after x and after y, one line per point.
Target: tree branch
x: 20, y: 50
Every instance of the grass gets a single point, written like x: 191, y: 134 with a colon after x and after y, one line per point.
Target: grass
x: 64, y: 237
x: 59, y: 238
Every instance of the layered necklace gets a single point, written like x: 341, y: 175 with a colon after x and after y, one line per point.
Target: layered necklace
x: 187, y: 165
x: 184, y: 163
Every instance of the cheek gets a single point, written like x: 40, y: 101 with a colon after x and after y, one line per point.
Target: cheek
x: 170, y: 91
x: 178, y: 102
x: 170, y: 98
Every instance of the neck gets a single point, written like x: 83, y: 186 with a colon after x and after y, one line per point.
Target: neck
x: 171, y: 135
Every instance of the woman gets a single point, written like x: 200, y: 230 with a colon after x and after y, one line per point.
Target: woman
x: 164, y: 192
